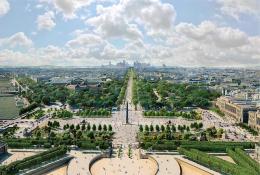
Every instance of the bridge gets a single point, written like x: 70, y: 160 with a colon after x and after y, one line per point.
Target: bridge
x: 8, y: 91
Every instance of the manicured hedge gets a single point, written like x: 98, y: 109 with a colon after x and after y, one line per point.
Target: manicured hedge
x: 248, y: 159
x: 215, y: 146
x: 25, y: 143
x: 164, y: 147
x: 29, y: 162
x: 238, y: 159
x: 215, y: 163
x: 200, y: 145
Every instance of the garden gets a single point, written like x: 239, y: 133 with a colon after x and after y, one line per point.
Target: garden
x: 161, y: 98
x: 84, y: 136
x: 170, y: 137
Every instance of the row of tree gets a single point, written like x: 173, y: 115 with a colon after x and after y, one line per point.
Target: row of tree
x: 162, y: 128
x: 122, y: 93
x: 91, y: 112
x: 63, y: 114
x: 163, y: 112
x: 88, y: 127
x: 29, y: 108
x: 135, y: 89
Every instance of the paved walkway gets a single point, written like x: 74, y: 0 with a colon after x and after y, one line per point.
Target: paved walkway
x: 124, y: 165
x: 79, y: 165
x: 167, y: 165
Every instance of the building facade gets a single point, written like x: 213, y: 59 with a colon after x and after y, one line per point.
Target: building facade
x: 3, y: 148
x: 254, y: 120
x: 235, y: 109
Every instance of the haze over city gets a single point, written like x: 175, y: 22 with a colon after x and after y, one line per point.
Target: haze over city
x: 91, y: 33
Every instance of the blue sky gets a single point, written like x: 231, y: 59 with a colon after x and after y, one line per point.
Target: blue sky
x: 94, y: 32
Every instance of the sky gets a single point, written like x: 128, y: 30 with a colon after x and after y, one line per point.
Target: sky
x: 213, y: 33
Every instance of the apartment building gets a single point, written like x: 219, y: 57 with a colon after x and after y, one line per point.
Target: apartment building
x: 238, y: 110
x: 254, y: 119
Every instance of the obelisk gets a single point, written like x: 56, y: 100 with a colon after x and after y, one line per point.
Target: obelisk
x: 126, y: 112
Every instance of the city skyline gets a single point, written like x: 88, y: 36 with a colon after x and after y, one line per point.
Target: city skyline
x: 86, y: 33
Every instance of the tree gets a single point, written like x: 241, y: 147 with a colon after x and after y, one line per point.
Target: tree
x: 83, y: 127
x: 104, y: 127
x: 49, y: 123
x: 88, y: 127
x: 157, y: 128
x: 56, y: 124
x: 146, y: 128
x: 162, y: 128
x: 173, y: 128
x: 200, y: 125
x: 52, y: 135
x: 38, y: 134
x: 110, y: 128
x: 168, y: 129
x: 46, y: 100
x: 94, y: 128
x: 72, y: 127
x: 141, y: 129
x: 79, y: 134
x: 91, y: 134
x: 151, y: 128
x: 77, y: 127
x: 99, y: 127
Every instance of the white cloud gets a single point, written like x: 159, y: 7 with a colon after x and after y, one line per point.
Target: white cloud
x: 66, y: 6
x: 46, y: 21
x: 17, y: 40
x: 208, y: 33
x: 111, y: 25
x: 69, y: 8
x: 153, y: 14
x: 84, y: 40
x: 210, y: 45
x: 123, y: 17
x: 4, y: 7
x: 235, y: 8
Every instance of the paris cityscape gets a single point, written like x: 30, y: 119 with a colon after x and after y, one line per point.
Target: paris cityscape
x: 129, y: 87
